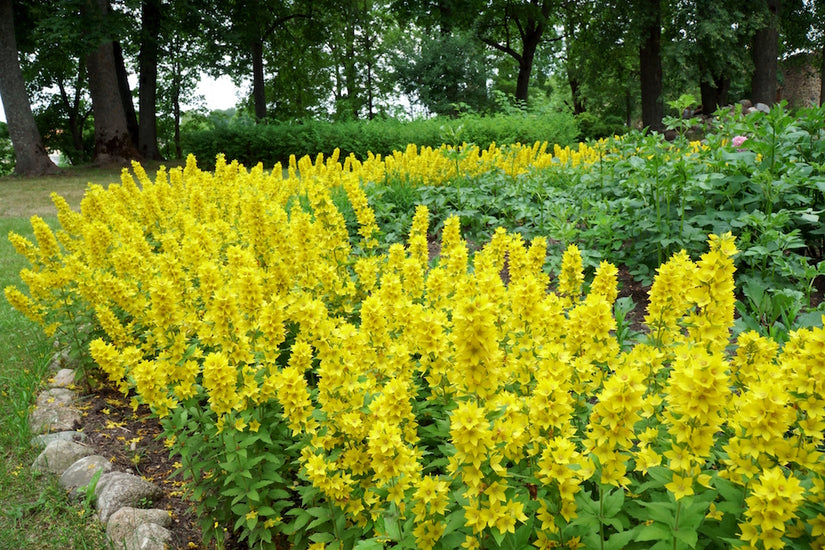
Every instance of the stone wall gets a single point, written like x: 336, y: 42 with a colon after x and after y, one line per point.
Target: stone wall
x: 800, y: 83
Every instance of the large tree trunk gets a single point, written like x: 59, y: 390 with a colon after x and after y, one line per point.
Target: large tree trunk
x: 126, y: 93
x: 650, y: 67
x: 525, y: 68
x: 578, y: 104
x: 31, y: 157
x: 822, y: 78
x: 113, y: 143
x: 258, y: 85
x: 714, y: 94
x: 148, y: 81
x: 765, y: 51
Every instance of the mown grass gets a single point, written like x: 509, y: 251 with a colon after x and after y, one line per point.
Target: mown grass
x: 34, y: 511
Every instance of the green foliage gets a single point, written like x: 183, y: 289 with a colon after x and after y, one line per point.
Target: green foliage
x: 239, y: 138
x: 252, y: 488
x: 445, y: 71
x: 647, y: 198
x: 593, y: 126
x: 35, y: 511
x: 6, y: 151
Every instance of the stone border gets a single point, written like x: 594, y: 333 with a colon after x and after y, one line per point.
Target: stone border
x: 117, y: 496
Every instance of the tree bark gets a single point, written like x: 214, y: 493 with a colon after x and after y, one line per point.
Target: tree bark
x: 530, y: 33
x: 30, y: 154
x: 126, y: 93
x: 714, y: 94
x: 258, y: 85
x: 765, y: 51
x: 151, y: 14
x: 113, y: 143
x: 822, y: 78
x: 525, y: 69
x: 578, y: 104
x: 650, y: 66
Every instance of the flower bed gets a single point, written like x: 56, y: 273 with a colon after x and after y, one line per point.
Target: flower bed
x: 322, y: 391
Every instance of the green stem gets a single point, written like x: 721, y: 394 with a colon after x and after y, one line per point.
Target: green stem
x: 676, y: 523
x: 601, y: 516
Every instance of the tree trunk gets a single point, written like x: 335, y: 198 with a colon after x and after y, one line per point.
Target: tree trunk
x: 525, y: 67
x: 76, y: 118
x: 765, y: 51
x: 822, y: 78
x: 578, y: 104
x: 126, y: 94
x: 258, y: 89
x: 714, y: 94
x: 650, y: 67
x: 31, y: 157
x: 113, y: 143
x: 151, y: 14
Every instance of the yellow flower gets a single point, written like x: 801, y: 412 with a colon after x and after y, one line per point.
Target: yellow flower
x: 571, y: 276
x: 680, y: 486
x: 713, y: 513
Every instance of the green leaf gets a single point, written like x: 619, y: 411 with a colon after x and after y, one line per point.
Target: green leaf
x: 369, y: 544
x: 301, y: 520
x: 320, y: 512
x: 392, y: 528
x: 654, y: 531
x: 613, y: 502
x: 728, y: 490
x: 619, y: 540
x: 322, y: 537
x: 663, y: 512
x: 454, y: 521
x: 688, y: 536
x: 498, y: 536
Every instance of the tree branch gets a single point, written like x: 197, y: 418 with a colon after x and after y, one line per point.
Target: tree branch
x: 505, y: 49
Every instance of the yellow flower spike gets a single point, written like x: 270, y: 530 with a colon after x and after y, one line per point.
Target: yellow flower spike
x: 680, y: 486
x: 47, y: 244
x: 571, y: 276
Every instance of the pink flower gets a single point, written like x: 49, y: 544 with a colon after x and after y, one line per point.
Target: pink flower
x: 739, y: 140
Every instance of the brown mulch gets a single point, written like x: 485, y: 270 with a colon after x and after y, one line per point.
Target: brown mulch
x: 638, y: 292
x: 131, y: 440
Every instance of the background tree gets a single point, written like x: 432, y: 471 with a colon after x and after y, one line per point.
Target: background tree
x: 113, y: 142
x: 151, y: 19
x: 184, y: 58
x: 54, y: 50
x: 711, y: 47
x: 765, y: 51
x: 30, y: 154
x: 517, y: 29
x: 444, y: 72
x: 649, y: 14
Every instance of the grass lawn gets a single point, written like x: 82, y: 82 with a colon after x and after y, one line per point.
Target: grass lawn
x: 34, y: 511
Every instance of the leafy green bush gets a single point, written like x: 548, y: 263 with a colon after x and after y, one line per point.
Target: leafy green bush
x: 240, y: 138
x: 6, y: 151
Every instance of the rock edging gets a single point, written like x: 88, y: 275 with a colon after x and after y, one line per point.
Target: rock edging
x: 118, y: 497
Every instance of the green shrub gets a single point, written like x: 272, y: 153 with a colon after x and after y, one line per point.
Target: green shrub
x: 239, y: 138
x: 6, y: 151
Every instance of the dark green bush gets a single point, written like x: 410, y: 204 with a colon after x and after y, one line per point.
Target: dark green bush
x: 596, y: 127
x: 6, y: 151
x: 239, y: 138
